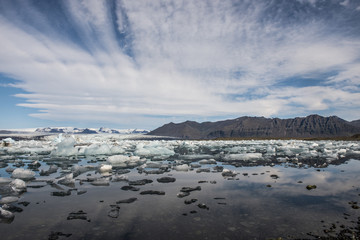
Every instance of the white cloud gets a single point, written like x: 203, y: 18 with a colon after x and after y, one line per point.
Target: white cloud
x: 187, y: 58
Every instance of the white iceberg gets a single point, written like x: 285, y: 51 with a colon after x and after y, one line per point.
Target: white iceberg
x: 66, y: 147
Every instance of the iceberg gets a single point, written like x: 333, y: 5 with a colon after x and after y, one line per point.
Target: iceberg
x: 23, y: 174
x: 66, y: 147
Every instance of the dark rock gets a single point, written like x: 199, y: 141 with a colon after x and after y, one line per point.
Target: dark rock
x: 202, y: 181
x: 56, y: 235
x: 166, y: 180
x: 203, y: 206
x: 182, y: 194
x: 203, y: 170
x: 140, y: 182
x: 274, y: 176
x: 81, y: 215
x: 155, y: 171
x: 61, y: 193
x: 130, y: 188
x: 190, y: 189
x: 114, y: 212
x: 129, y: 200
x: 190, y: 201
x: 310, y: 187
x: 218, y: 168
x: 152, y: 192
x: 24, y: 203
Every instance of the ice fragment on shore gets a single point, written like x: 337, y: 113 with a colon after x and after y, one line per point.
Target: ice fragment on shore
x: 23, y: 174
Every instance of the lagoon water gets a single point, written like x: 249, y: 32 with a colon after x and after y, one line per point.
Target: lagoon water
x: 212, y: 190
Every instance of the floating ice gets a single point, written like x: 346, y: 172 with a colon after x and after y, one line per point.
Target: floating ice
x: 119, y: 178
x: 105, y: 168
x: 6, y: 214
x: 66, y: 147
x: 18, y: 184
x: 243, y: 157
x: 183, y: 167
x: 97, y: 149
x: 155, y: 148
x: 23, y: 174
x: 10, y: 199
x: 207, y: 161
x: 125, y: 161
x: 67, y: 180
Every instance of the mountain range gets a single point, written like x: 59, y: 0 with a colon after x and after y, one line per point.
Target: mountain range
x: 312, y: 126
x: 72, y: 130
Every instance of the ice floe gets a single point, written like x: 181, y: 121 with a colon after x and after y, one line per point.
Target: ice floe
x: 24, y: 174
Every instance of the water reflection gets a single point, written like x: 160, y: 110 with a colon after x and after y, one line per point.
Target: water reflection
x: 249, y: 207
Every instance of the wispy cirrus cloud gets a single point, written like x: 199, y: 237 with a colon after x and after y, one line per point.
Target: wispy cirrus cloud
x: 112, y: 61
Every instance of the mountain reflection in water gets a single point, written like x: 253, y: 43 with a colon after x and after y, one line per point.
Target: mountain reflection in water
x: 183, y: 190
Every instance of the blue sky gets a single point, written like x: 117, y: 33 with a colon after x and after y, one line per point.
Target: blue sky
x: 140, y: 64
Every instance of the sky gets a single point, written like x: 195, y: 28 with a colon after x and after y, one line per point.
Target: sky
x: 144, y: 63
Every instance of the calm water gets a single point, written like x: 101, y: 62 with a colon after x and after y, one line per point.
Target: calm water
x: 259, y: 202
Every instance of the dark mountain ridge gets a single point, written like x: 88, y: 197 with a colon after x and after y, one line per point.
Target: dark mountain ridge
x: 313, y: 126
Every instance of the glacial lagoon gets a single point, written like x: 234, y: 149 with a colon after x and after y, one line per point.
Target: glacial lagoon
x: 122, y: 187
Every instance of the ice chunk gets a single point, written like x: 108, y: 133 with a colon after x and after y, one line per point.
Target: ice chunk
x: 66, y: 147
x: 153, y: 149
x: 243, y: 157
x: 119, y: 178
x: 100, y: 182
x: 207, y: 161
x: 18, y: 184
x: 125, y: 161
x: 23, y: 174
x: 6, y: 214
x: 67, y: 180
x: 10, y: 199
x: 228, y: 173
x: 7, y: 142
x: 97, y: 149
x: 117, y: 150
x: 105, y: 168
x: 183, y: 167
